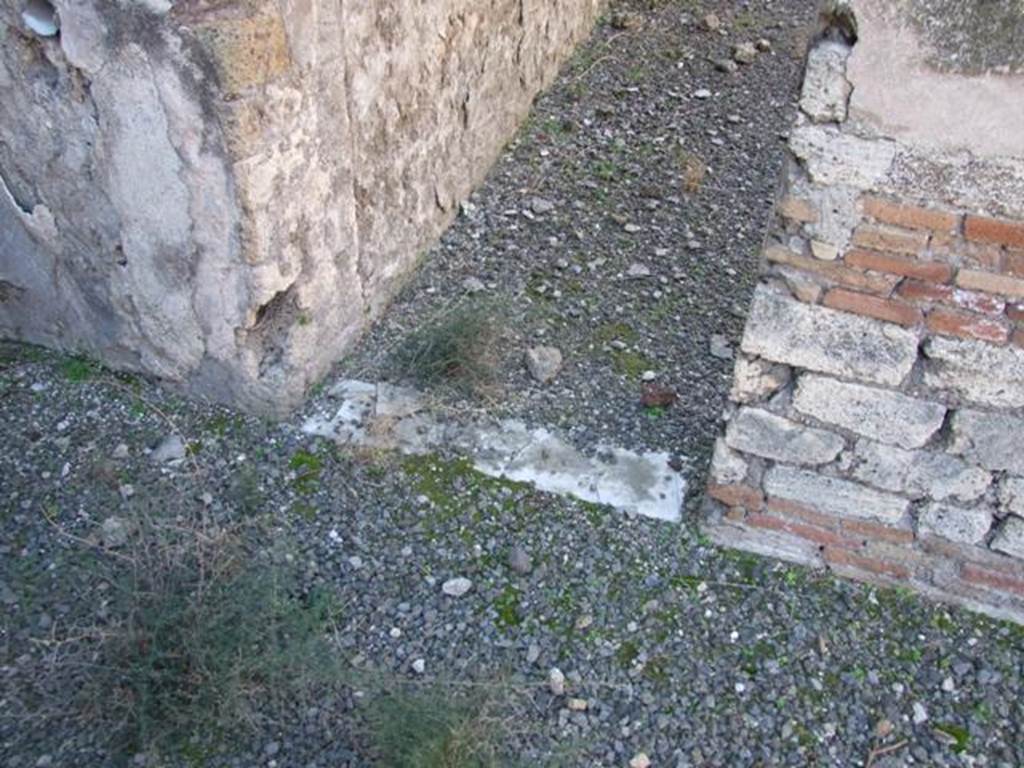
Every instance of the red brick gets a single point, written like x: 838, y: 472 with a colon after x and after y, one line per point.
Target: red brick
x: 982, y: 256
x: 912, y: 216
x: 877, y: 531
x: 1000, y: 231
x: 873, y: 306
x: 820, y: 536
x: 844, y: 557
x: 967, y: 326
x: 918, y: 292
x: 893, y: 239
x: 837, y: 273
x: 1015, y: 312
x: 932, y: 271
x: 1018, y: 338
x: 738, y: 495
x: 992, y: 579
x: 990, y: 283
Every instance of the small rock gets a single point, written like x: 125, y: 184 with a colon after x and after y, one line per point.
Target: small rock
x: 457, y: 587
x: 532, y: 653
x: 541, y: 206
x: 473, y: 285
x: 726, y: 65
x: 636, y: 269
x: 171, y: 448
x: 920, y: 713
x: 626, y: 20
x: 655, y: 396
x: 556, y: 681
x: 720, y: 347
x: 640, y: 760
x: 948, y: 685
x: 419, y: 666
x: 127, y: 491
x: 711, y: 22
x: 120, y: 452
x: 45, y: 761
x: 544, y: 363
x: 271, y: 749
x: 744, y: 53
x: 702, y: 93
x: 519, y: 560
x: 648, y: 376
x: 631, y: 229
x: 577, y: 705
x: 763, y: 44
x: 114, y: 532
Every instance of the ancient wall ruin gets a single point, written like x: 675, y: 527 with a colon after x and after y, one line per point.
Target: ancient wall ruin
x: 877, y: 417
x: 224, y: 192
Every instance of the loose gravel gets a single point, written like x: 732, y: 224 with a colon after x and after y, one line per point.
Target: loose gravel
x: 671, y: 652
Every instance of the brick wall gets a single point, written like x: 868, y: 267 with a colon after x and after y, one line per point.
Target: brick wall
x: 877, y: 417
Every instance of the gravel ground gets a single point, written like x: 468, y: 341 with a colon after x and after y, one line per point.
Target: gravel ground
x: 692, y: 655
x: 689, y: 654
x: 593, y: 234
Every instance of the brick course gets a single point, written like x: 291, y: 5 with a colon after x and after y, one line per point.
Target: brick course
x: 873, y: 306
x: 999, y: 231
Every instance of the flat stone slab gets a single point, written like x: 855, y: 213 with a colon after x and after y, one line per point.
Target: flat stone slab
x: 369, y: 416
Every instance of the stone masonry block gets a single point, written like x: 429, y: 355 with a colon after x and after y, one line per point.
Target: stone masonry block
x: 833, y: 495
x: 880, y: 414
x: 761, y: 433
x: 993, y: 440
x: 918, y: 474
x: 979, y: 372
x: 1009, y: 539
x: 782, y: 329
x: 967, y: 525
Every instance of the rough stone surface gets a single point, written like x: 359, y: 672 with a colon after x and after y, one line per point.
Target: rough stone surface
x: 1011, y: 495
x: 761, y: 433
x: 979, y: 372
x: 881, y: 414
x: 755, y: 379
x: 834, y: 495
x: 826, y: 90
x: 832, y: 157
x: 961, y: 524
x: 918, y: 474
x: 727, y: 466
x: 544, y: 363
x: 1009, y: 539
x: 784, y: 330
x: 993, y: 440
x: 260, y: 176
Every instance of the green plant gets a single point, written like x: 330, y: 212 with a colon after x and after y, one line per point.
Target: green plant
x: 199, y: 628
x: 435, y: 729
x: 456, y: 347
x: 78, y: 369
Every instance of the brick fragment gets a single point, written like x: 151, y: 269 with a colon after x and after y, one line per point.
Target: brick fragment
x: 1000, y: 231
x: 798, y: 210
x: 877, y: 531
x: 911, y: 216
x: 793, y: 510
x: 895, y: 239
x: 932, y: 271
x: 990, y: 282
x: 836, y: 272
x: 920, y: 292
x: 1015, y: 312
x: 873, y: 306
x: 967, y: 326
x: 820, y: 536
x: 737, y: 495
x: 1003, y: 582
x: 838, y: 556
x: 854, y: 530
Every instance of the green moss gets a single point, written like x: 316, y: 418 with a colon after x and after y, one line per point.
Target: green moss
x: 78, y: 369
x: 629, y: 363
x: 507, y: 607
x: 615, y: 332
x: 627, y: 654
x: 961, y: 738
x: 307, y: 467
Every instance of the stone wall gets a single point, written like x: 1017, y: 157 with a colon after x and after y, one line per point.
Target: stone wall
x: 877, y: 418
x: 223, y: 193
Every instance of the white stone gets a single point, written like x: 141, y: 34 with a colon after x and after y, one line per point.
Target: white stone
x: 784, y: 330
x: 881, y: 414
x: 397, y: 402
x: 457, y: 587
x: 764, y: 434
x: 961, y: 524
x: 918, y: 474
x: 993, y: 440
x: 833, y: 157
x: 833, y: 495
x: 727, y: 466
x: 755, y: 379
x: 544, y: 363
x: 826, y: 91
x: 1011, y: 495
x: 556, y: 682
x: 1009, y: 539
x: 170, y: 449
x: 824, y: 251
x: 640, y: 760
x: 980, y: 372
x: 419, y: 666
